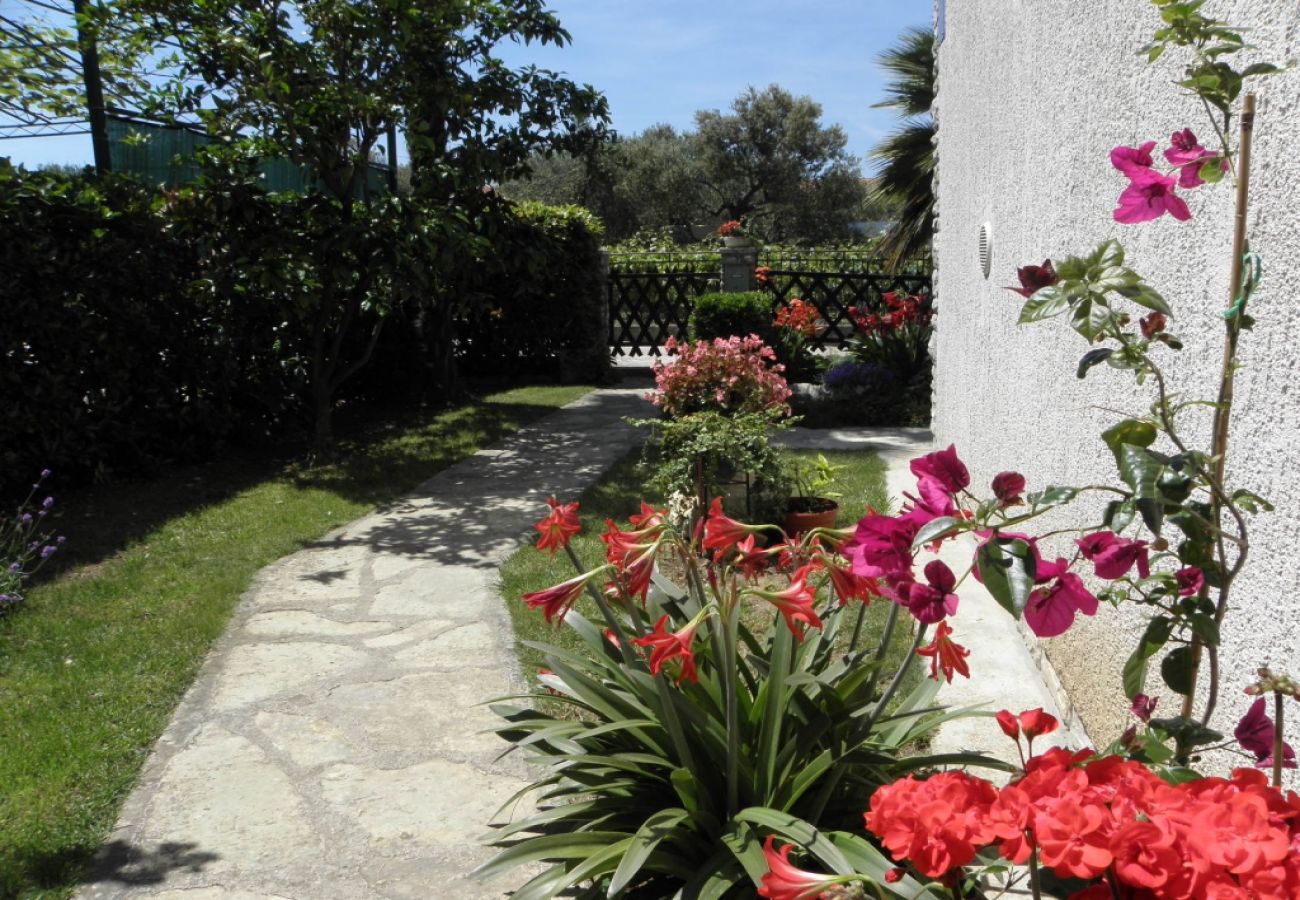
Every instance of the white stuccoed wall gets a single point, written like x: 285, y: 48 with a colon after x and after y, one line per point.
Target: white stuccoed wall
x: 1032, y: 96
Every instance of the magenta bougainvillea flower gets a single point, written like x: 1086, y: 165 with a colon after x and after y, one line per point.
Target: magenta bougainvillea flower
x: 1256, y: 733
x: 944, y: 467
x: 1113, y: 555
x: 1188, y: 155
x: 1007, y: 487
x: 1190, y: 581
x: 933, y: 601
x: 1034, y: 278
x: 1149, y: 196
x: 881, y: 546
x: 1131, y: 160
x: 1051, y: 608
x: 1152, y: 324
x: 1143, y: 707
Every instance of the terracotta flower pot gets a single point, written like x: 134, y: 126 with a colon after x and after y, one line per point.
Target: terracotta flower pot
x: 803, y: 514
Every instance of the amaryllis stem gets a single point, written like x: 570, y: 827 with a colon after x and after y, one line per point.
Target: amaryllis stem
x: 603, y: 605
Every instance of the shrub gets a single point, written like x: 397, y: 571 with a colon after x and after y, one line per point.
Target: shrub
x: 542, y: 299
x: 728, y: 376
x: 134, y: 326
x: 738, y: 314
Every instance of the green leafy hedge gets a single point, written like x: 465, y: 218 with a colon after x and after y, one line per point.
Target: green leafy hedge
x: 123, y: 340
x: 739, y: 313
x: 543, y: 309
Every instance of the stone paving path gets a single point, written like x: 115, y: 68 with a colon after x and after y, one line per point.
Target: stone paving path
x: 333, y: 745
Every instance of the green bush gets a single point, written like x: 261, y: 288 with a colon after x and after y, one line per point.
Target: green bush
x: 129, y: 331
x: 725, y: 314
x: 540, y: 298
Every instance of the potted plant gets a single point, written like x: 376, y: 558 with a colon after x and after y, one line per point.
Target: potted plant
x: 733, y: 234
x: 812, y: 505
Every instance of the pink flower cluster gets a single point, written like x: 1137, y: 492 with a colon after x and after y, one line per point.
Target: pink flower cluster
x: 1102, y: 818
x: 726, y: 375
x: 1151, y: 193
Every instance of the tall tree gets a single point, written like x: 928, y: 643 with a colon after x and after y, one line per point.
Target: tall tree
x: 319, y: 82
x: 761, y: 160
x: 906, y: 157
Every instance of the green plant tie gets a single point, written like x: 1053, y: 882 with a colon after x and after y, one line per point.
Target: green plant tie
x: 1252, y: 272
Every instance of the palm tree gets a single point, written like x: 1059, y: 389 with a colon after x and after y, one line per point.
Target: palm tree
x: 906, y: 157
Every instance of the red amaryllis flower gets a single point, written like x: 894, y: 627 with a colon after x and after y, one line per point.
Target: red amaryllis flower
x: 555, y: 602
x: 795, y: 603
x: 669, y: 645
x: 1034, y: 278
x: 785, y: 881
x: 649, y: 517
x: 848, y: 586
x: 558, y: 526
x: 945, y: 655
x: 751, y: 559
x: 1007, y: 487
x: 720, y: 531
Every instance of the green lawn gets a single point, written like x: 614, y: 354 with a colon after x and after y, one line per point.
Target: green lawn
x: 92, y: 667
x: 861, y: 483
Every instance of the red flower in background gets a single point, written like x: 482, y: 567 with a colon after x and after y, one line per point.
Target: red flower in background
x: 559, y: 526
x: 945, y: 655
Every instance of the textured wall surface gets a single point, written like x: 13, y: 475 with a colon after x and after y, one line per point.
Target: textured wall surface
x: 1032, y: 96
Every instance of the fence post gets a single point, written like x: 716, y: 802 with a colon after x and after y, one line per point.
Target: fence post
x: 738, y: 264
x: 609, y: 349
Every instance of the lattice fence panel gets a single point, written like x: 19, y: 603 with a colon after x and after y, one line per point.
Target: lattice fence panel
x: 646, y: 308
x: 834, y: 292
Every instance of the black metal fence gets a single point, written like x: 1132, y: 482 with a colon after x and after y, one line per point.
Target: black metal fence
x: 651, y: 294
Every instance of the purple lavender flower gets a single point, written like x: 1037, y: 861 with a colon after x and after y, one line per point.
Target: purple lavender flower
x: 47, y: 551
x: 46, y: 473
x: 47, y: 503
x: 26, y: 519
x: 15, y: 568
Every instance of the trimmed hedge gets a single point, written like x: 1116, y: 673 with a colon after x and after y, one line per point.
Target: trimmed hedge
x: 740, y: 313
x: 140, y: 326
x: 543, y: 309
x: 117, y: 351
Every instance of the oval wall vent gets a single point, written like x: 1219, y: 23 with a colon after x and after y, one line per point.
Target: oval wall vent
x: 986, y: 249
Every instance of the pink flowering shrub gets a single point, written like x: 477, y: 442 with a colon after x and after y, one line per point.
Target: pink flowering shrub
x: 726, y: 375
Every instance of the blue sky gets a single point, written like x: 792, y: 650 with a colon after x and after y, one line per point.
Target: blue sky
x: 661, y: 60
